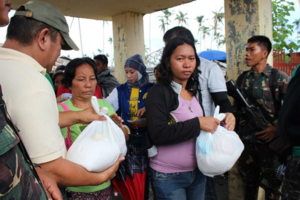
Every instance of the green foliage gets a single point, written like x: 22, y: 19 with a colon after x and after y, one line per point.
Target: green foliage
x: 297, y: 26
x: 181, y: 18
x: 282, y: 29
x: 165, y: 19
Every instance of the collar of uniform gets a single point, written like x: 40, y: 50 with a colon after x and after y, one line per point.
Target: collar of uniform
x: 267, y: 70
x: 10, y: 54
x: 176, y: 87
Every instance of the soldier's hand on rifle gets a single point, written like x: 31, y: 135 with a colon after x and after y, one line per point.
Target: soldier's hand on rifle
x: 267, y: 134
x: 229, y: 121
x: 208, y: 124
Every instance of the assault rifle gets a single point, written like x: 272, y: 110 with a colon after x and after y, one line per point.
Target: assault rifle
x: 256, y: 120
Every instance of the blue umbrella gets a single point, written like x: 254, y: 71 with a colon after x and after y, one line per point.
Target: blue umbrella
x: 213, y: 55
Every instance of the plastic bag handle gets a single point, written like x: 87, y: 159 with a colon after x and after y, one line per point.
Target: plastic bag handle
x: 96, y: 107
x: 218, y: 115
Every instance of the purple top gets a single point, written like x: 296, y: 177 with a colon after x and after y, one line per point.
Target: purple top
x: 179, y: 157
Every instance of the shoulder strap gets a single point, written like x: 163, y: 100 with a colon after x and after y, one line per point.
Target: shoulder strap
x: 68, y: 140
x: 241, y: 78
x: 273, y: 82
x: 64, y: 106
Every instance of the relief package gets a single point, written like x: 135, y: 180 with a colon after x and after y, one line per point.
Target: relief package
x: 217, y: 152
x: 99, y: 145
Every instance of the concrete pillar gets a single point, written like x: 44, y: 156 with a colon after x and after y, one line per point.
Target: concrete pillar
x: 128, y: 33
x: 243, y: 19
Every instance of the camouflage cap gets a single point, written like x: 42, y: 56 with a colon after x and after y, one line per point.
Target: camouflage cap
x: 48, y: 14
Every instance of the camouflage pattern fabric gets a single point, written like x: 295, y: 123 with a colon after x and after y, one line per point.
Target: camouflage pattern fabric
x: 257, y: 86
x: 291, y: 182
x: 17, y: 180
x: 256, y: 166
x: 258, y: 162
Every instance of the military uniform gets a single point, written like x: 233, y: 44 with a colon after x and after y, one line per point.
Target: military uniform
x: 257, y: 162
x: 17, y: 178
x: 289, y: 129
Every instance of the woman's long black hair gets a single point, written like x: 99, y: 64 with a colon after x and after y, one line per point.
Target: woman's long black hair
x: 166, y: 75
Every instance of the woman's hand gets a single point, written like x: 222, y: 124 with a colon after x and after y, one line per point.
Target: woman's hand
x: 140, y: 123
x: 229, y: 121
x: 208, y: 124
x: 61, y: 99
x: 141, y: 112
x: 117, y: 119
x: 126, y: 131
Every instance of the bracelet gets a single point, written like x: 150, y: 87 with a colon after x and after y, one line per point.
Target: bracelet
x: 128, y: 130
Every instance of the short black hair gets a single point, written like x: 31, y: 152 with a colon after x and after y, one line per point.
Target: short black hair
x: 71, y: 67
x: 57, y: 73
x: 166, y: 75
x: 102, y: 58
x: 178, y: 31
x: 60, y: 68
x: 262, y: 41
x: 20, y: 24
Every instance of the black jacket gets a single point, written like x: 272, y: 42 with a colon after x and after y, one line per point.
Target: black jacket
x: 161, y: 100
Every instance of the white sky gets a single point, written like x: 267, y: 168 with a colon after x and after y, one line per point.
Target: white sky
x: 93, y: 37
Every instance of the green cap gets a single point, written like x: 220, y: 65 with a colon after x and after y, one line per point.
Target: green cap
x: 48, y: 14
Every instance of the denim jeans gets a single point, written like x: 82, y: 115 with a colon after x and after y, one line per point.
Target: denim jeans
x: 179, y: 186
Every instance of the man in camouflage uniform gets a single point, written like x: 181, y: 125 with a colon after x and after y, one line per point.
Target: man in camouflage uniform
x: 257, y: 162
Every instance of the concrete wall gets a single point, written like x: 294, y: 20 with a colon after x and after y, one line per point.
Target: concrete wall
x: 128, y: 32
x: 244, y: 19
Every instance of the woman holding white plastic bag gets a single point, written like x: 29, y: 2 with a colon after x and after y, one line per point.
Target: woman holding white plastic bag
x: 80, y: 78
x: 174, y: 123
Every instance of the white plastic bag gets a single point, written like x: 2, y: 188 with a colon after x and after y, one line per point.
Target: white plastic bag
x: 216, y: 153
x: 99, y: 145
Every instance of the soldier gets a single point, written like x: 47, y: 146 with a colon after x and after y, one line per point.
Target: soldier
x: 19, y: 179
x: 256, y: 164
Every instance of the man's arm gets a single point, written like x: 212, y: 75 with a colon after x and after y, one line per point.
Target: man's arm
x: 221, y: 99
x: 85, y: 116
x: 49, y: 184
x: 67, y: 173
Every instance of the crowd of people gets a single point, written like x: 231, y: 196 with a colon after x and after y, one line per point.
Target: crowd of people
x: 43, y: 112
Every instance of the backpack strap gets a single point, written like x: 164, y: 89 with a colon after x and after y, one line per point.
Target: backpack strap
x: 68, y: 140
x: 273, y: 82
x: 241, y: 78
